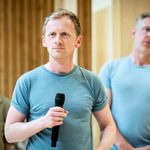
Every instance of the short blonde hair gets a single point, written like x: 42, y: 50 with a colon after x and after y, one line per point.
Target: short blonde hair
x: 59, y: 13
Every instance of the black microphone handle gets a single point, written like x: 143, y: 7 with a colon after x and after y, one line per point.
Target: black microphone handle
x: 54, y: 137
x: 59, y: 101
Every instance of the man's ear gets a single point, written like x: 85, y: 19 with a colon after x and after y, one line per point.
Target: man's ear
x: 133, y: 32
x: 43, y: 41
x: 79, y: 41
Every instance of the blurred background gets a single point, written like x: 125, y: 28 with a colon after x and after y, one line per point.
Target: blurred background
x: 106, y: 28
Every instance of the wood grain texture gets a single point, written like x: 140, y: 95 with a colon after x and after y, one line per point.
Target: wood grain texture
x: 20, y: 39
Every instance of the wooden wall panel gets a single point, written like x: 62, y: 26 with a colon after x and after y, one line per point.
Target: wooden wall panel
x: 20, y: 39
x: 124, y: 14
x: 84, y: 52
x: 101, y: 37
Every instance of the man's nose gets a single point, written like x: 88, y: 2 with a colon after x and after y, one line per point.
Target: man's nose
x: 148, y: 33
x: 58, y: 40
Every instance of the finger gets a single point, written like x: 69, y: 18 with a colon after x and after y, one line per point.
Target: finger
x: 57, y: 109
x: 57, y: 119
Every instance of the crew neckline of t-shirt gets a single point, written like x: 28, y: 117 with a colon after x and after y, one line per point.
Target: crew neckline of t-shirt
x: 75, y: 67
x: 137, y: 66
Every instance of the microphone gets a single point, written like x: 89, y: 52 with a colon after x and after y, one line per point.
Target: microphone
x: 59, y: 101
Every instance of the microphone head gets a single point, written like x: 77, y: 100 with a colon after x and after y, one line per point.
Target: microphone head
x: 60, y: 99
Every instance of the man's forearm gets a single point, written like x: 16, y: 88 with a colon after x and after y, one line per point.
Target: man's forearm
x: 108, y: 136
x: 21, y: 131
x: 122, y: 143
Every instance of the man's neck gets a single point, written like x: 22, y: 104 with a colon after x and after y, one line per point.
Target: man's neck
x: 59, y: 68
x: 140, y: 59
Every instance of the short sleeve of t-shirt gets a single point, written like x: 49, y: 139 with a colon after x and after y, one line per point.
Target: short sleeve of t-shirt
x: 20, y: 98
x: 100, y: 96
x: 104, y: 75
x: 97, y: 91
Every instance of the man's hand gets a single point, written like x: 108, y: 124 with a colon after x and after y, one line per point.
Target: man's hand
x: 54, y: 117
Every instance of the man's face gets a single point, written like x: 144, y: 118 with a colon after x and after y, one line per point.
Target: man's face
x: 141, y: 36
x: 61, y: 39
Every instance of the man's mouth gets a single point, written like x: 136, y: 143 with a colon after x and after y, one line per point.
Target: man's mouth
x: 147, y: 43
x: 58, y: 48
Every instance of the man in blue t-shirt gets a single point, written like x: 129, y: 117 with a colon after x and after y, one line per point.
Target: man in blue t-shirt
x: 127, y: 84
x: 34, y: 95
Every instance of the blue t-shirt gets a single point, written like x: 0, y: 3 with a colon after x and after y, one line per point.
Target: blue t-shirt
x: 130, y: 86
x: 35, y: 93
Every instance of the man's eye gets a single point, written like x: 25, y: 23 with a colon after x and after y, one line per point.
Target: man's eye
x: 52, y: 34
x: 147, y: 29
x: 64, y: 34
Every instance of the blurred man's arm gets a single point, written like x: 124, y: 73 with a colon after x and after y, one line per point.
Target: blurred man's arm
x: 120, y: 141
x: 107, y: 127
